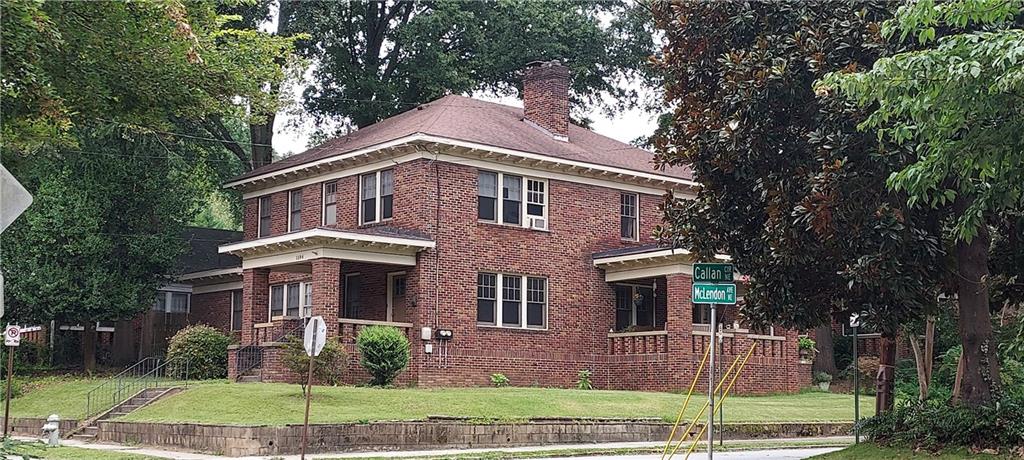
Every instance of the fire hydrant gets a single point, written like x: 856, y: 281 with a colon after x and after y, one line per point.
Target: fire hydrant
x: 51, y: 430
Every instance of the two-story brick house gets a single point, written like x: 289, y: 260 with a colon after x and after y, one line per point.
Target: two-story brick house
x: 525, y: 236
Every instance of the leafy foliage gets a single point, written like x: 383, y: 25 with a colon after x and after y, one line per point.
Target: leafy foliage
x: 933, y: 425
x: 790, y: 188
x: 583, y: 380
x: 204, y: 348
x: 376, y: 59
x: 384, y: 352
x: 499, y: 380
x: 139, y: 63
x: 327, y: 366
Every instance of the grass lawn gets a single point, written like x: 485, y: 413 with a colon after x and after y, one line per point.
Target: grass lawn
x: 64, y: 396
x: 868, y: 451
x: 39, y: 450
x: 279, y: 404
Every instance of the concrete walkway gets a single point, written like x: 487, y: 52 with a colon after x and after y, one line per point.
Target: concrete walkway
x: 762, y: 452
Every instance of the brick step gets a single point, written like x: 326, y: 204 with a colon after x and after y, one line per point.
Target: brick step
x: 128, y: 407
x: 84, y: 437
x: 91, y: 430
x: 249, y: 379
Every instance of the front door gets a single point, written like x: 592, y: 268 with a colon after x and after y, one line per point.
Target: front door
x: 397, y: 310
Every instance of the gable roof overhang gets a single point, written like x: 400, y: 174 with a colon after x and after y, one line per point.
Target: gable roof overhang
x: 429, y: 146
x: 645, y: 262
x: 304, y: 246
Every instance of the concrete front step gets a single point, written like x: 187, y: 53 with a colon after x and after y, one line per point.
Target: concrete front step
x: 84, y: 437
x: 249, y: 379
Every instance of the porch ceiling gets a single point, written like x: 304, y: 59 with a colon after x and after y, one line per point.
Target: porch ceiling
x: 303, y: 246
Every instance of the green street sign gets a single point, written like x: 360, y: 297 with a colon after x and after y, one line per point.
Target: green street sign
x: 712, y: 273
x: 714, y: 293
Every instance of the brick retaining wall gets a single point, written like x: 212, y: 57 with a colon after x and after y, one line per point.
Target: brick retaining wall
x: 431, y: 434
x: 34, y: 426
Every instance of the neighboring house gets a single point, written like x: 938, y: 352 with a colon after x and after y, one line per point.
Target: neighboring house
x: 526, y: 237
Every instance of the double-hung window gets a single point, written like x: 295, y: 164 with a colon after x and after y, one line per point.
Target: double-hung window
x: 508, y: 208
x: 330, y: 203
x: 236, y: 310
x: 264, y: 214
x: 295, y: 210
x: 291, y: 300
x: 513, y: 301
x: 172, y: 301
x: 376, y: 196
x: 629, y: 216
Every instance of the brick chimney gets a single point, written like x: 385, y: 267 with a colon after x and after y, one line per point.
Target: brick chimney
x: 546, y: 97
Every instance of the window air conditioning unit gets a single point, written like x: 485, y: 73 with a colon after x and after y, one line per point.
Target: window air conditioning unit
x: 538, y: 223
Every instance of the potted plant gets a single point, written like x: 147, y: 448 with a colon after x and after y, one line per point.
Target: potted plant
x: 805, y: 345
x: 823, y: 379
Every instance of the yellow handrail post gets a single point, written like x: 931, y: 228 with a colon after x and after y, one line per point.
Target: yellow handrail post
x: 724, y: 395
x: 686, y: 402
x: 702, y: 409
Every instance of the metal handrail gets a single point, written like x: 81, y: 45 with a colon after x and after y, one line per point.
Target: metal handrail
x: 250, y: 356
x: 149, y: 373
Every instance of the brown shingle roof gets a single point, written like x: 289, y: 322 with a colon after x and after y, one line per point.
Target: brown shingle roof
x: 497, y: 125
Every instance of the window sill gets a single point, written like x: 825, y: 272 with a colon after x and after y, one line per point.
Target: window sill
x: 376, y: 223
x: 512, y: 329
x: 513, y: 226
x: 284, y: 318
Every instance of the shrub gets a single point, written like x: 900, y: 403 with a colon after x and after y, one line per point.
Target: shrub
x: 29, y: 356
x: 934, y: 424
x: 499, y: 380
x: 384, y: 353
x: 583, y: 380
x: 15, y: 389
x: 326, y: 366
x: 203, y: 348
x: 805, y: 343
x: 822, y: 377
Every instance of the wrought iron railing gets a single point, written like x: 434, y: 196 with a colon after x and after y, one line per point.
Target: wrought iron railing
x: 250, y: 356
x: 153, y: 372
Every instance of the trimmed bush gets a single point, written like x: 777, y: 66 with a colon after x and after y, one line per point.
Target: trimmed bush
x: 384, y: 352
x: 327, y: 365
x: 206, y: 350
x: 935, y: 424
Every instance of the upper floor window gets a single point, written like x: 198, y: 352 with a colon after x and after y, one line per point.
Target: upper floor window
x: 295, y: 210
x: 629, y: 216
x: 172, y: 301
x: 291, y: 300
x: 376, y: 196
x: 264, y: 216
x: 515, y: 191
x: 330, y: 203
x: 511, y: 300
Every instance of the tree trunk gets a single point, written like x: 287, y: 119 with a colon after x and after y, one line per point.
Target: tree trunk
x: 981, y: 367
x: 922, y: 372
x: 89, y: 347
x: 958, y: 380
x: 825, y: 360
x: 886, y: 374
x: 262, y: 138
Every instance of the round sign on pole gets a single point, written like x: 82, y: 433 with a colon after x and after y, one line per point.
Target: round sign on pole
x: 12, y: 335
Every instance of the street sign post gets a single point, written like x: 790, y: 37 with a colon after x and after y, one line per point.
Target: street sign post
x: 855, y: 324
x: 713, y: 285
x: 12, y: 338
x: 313, y: 339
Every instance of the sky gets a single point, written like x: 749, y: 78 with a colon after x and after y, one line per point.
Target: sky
x: 293, y: 129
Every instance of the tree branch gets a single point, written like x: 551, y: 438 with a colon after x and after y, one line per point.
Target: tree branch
x: 215, y: 126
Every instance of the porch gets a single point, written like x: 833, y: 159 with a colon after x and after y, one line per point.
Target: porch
x: 353, y: 279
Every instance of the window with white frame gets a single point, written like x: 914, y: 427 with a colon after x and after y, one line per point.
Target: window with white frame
x: 236, y: 310
x: 330, y: 203
x: 264, y: 216
x: 172, y: 301
x: 292, y: 300
x: 376, y: 196
x: 508, y: 208
x: 514, y: 301
x: 295, y: 210
x: 629, y: 216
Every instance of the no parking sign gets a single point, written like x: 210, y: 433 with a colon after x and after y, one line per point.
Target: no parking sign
x: 12, y: 336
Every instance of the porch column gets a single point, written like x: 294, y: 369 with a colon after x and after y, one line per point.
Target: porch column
x: 255, y: 300
x: 679, y: 324
x: 327, y: 291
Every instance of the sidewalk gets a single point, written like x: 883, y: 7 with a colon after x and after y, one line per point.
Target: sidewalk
x: 552, y: 450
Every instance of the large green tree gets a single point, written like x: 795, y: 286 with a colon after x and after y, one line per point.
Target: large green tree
x: 103, y: 233
x: 376, y: 59
x: 789, y: 187
x: 958, y: 103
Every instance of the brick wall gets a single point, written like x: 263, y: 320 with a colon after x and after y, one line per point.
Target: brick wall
x: 441, y: 288
x: 212, y: 309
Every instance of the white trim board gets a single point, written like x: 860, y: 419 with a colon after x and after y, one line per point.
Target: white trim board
x: 210, y: 273
x: 308, y: 254
x: 208, y: 288
x: 325, y: 233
